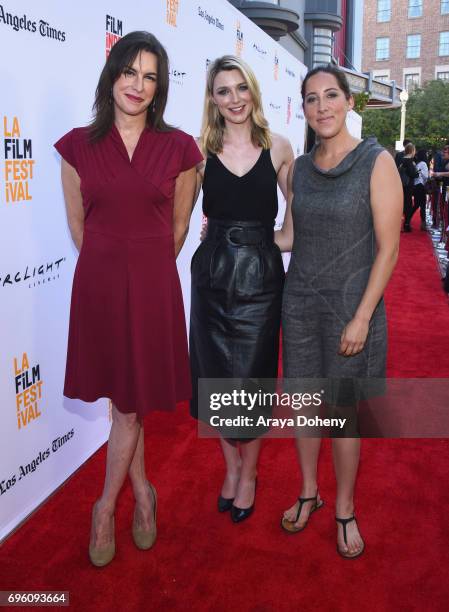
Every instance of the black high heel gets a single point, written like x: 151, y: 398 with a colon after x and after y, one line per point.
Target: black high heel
x: 224, y: 503
x: 344, y: 522
x: 240, y: 514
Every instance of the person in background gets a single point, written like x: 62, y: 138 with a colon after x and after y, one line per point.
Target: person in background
x: 441, y: 170
x: 443, y: 176
x: 127, y: 336
x: 408, y: 173
x: 419, y: 189
x: 400, y: 154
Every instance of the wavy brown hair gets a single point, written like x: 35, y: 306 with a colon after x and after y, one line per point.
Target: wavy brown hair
x: 212, y: 130
x: 121, y: 57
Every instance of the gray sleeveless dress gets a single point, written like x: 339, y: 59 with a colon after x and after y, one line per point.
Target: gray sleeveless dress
x: 333, y: 252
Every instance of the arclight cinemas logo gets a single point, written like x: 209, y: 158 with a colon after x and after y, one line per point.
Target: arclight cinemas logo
x: 33, y: 275
x: 259, y: 50
x: 177, y: 76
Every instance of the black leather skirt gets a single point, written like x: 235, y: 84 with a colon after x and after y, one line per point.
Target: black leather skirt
x: 236, y: 298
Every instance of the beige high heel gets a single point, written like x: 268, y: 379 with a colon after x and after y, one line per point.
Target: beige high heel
x: 144, y: 539
x: 101, y: 556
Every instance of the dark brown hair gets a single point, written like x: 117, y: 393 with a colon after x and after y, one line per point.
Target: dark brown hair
x: 328, y: 69
x: 122, y: 56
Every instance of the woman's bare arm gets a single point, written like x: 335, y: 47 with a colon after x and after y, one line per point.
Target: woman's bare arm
x: 73, y: 201
x: 183, y: 205
x: 284, y: 237
x: 386, y: 206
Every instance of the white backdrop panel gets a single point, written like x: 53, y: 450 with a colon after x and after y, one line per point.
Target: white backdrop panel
x: 59, y: 49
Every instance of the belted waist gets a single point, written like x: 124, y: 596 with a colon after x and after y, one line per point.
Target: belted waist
x: 244, y: 233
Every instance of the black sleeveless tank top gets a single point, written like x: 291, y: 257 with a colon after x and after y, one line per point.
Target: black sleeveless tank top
x: 251, y: 197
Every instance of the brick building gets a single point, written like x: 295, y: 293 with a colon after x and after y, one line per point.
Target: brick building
x: 406, y: 41
x: 321, y: 32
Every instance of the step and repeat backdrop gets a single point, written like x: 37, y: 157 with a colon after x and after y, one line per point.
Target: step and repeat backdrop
x: 53, y: 53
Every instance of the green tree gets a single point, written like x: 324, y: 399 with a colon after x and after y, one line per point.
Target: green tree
x: 427, y: 118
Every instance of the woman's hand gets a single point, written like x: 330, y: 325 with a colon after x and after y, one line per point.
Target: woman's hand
x: 203, y: 232
x: 353, y: 337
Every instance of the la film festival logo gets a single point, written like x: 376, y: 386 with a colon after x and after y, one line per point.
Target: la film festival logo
x: 276, y: 67
x: 238, y: 39
x: 172, y: 12
x: 19, y: 165
x: 114, y: 32
x: 28, y: 386
x: 289, y: 109
x: 299, y: 114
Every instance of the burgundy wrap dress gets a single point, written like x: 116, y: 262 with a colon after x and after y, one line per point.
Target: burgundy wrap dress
x: 127, y: 336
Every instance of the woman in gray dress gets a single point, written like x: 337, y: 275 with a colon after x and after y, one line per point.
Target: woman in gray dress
x: 342, y: 225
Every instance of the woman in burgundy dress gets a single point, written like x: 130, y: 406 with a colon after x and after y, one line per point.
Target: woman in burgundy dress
x: 129, y: 182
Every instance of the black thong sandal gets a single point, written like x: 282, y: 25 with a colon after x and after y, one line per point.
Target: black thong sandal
x: 289, y: 526
x: 344, y: 522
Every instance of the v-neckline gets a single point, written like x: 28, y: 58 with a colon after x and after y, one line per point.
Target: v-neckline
x: 246, y: 173
x: 123, y: 146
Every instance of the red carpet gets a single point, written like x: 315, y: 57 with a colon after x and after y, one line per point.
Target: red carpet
x: 202, y: 561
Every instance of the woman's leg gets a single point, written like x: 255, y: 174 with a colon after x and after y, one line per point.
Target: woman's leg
x: 421, y: 200
x: 308, y: 452
x: 142, y: 492
x: 121, y: 448
x: 346, y: 454
x: 419, y: 196
x: 408, y: 208
x: 246, y: 489
x: 233, y: 463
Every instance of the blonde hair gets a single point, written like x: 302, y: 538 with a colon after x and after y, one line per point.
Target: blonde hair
x: 212, y: 129
x: 409, y: 148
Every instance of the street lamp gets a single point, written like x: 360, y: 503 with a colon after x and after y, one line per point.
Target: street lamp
x: 403, y: 97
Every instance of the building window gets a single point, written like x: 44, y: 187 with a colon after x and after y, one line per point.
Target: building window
x: 444, y: 7
x: 444, y: 43
x: 411, y: 81
x: 384, y: 10
x: 415, y: 8
x: 413, y: 45
x: 382, y: 77
x: 322, y: 46
x: 382, y: 48
x: 443, y: 76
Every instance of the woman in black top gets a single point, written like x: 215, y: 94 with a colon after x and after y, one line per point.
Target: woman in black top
x: 237, y: 271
